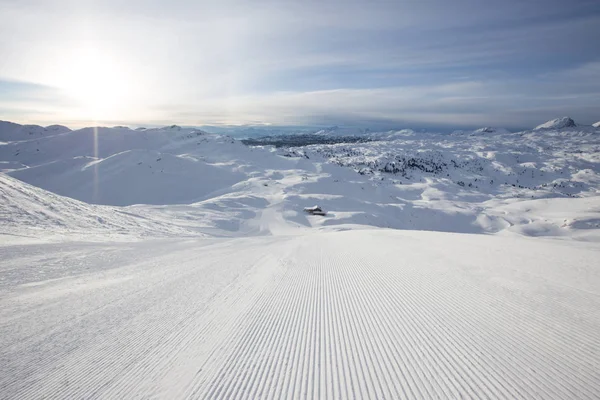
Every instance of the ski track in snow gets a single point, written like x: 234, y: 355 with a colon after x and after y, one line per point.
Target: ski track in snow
x: 358, y: 314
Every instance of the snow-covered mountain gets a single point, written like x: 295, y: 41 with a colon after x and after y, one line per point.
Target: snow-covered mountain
x: 401, y: 180
x: 10, y: 131
x: 558, y: 123
x: 173, y: 263
x: 119, y: 166
x: 489, y: 129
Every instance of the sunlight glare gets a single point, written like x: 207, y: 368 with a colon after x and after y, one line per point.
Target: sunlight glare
x: 97, y: 83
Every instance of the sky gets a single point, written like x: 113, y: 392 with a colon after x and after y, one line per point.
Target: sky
x: 395, y: 64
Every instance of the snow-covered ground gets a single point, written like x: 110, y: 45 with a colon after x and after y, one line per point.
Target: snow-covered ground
x: 488, y: 181
x: 175, y: 263
x: 355, y: 314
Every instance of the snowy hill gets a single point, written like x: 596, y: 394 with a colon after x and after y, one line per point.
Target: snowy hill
x: 118, y: 166
x: 131, y: 177
x: 558, y: 123
x: 398, y: 179
x: 10, y: 131
x: 30, y: 212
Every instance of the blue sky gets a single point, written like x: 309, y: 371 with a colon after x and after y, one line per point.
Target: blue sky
x: 435, y: 64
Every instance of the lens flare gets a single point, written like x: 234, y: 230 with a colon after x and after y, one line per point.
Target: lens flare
x: 96, y: 197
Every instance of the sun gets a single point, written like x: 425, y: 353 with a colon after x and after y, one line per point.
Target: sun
x: 96, y: 82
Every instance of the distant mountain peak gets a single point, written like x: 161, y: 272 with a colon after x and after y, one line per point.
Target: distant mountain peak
x: 558, y: 123
x: 487, y: 129
x: 490, y: 129
x: 56, y: 128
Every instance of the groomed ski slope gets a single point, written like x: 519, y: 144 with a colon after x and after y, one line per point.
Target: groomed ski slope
x: 341, y: 314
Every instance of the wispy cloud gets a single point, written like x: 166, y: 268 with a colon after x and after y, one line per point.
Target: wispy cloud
x: 30, y: 102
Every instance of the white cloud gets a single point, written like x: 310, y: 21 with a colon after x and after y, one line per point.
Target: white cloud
x: 227, y: 61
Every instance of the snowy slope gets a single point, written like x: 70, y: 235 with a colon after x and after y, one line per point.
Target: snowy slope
x: 362, y: 314
x: 118, y: 166
x: 28, y: 212
x: 131, y: 177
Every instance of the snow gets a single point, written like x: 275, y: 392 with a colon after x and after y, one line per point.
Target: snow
x: 119, y: 166
x: 489, y: 129
x: 558, y: 123
x: 131, y: 177
x: 367, y: 314
x: 30, y: 213
x: 10, y: 131
x: 174, y: 263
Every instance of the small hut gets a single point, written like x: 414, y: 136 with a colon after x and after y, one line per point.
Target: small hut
x: 315, y: 210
